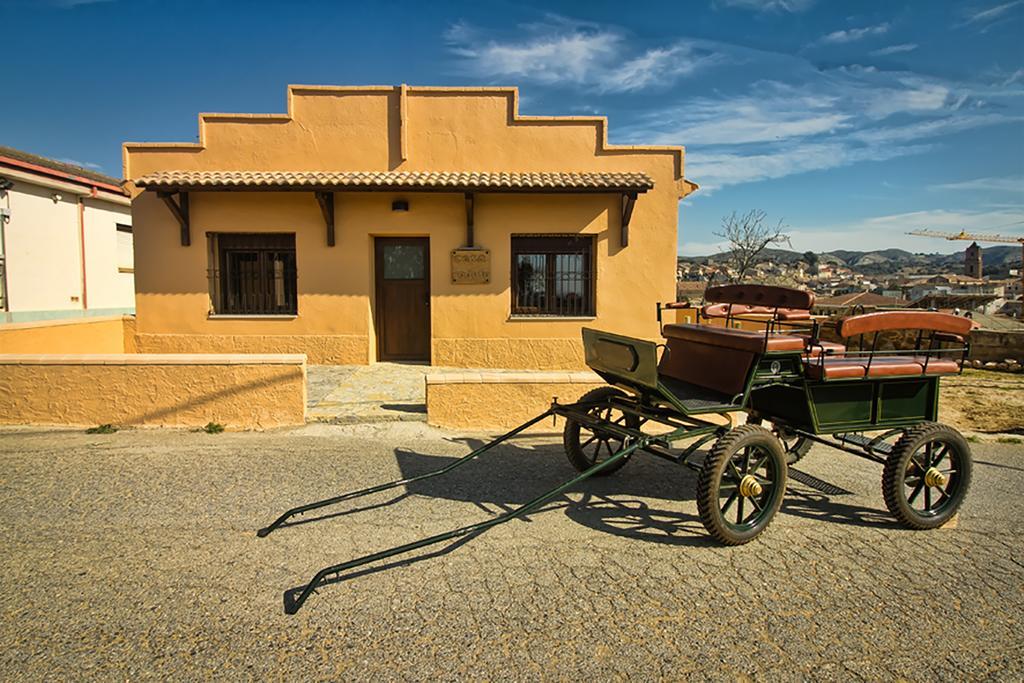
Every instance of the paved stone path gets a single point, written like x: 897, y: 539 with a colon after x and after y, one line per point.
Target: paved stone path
x: 382, y: 392
x: 133, y: 556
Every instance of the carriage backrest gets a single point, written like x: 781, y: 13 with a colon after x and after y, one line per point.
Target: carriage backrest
x: 733, y: 310
x: 882, y: 321
x: 768, y: 296
x: 630, y: 361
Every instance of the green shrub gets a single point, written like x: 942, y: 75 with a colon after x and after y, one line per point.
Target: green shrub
x: 213, y: 428
x: 101, y: 429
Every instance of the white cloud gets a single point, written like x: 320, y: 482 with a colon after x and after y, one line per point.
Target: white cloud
x: 67, y: 4
x: 718, y: 169
x: 932, y: 128
x: 775, y: 113
x: 82, y: 164
x: 838, y: 118
x: 1016, y: 77
x: 888, y: 232
x: 894, y: 49
x: 791, y: 6
x: 853, y: 35
x: 992, y: 13
x: 566, y: 52
x: 1013, y: 184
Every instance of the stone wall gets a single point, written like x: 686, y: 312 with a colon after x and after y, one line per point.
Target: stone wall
x: 997, y: 346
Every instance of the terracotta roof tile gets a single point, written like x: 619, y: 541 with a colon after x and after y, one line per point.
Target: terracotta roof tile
x: 402, y: 180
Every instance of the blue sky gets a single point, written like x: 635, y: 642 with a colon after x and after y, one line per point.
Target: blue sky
x: 851, y: 121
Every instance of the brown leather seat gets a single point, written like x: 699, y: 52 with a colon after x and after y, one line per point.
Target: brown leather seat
x: 881, y: 366
x: 730, y: 338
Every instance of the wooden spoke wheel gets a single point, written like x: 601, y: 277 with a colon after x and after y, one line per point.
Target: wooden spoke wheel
x: 585, y: 447
x: 741, y: 484
x: 927, y: 475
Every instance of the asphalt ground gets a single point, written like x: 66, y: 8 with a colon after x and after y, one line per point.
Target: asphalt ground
x: 133, y: 556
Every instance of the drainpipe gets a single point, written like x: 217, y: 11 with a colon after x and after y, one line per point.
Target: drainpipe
x: 4, y: 217
x: 81, y: 242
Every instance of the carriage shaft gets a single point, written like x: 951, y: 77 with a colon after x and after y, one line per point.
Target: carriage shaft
x: 280, y: 521
x: 292, y: 605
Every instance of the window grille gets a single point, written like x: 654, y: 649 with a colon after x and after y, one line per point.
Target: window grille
x: 552, y: 276
x: 253, y: 274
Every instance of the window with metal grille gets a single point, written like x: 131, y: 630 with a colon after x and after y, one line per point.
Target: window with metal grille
x: 552, y: 275
x: 253, y: 273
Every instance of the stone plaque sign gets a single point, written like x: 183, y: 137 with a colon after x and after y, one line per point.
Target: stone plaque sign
x: 471, y: 266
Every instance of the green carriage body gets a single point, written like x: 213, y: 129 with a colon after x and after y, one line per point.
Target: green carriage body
x: 776, y: 388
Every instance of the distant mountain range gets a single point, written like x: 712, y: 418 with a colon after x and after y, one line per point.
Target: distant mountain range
x: 997, y: 260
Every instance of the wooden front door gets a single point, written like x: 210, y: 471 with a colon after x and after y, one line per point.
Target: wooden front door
x: 402, y: 273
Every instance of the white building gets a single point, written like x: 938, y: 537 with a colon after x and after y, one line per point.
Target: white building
x: 65, y: 241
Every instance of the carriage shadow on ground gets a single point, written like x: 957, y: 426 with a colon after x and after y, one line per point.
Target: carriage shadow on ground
x: 623, y: 504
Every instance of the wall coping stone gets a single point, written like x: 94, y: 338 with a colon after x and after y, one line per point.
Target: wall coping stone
x: 524, y: 377
x: 57, y: 322
x: 154, y: 359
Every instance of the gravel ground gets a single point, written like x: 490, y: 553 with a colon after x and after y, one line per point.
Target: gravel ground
x: 133, y: 556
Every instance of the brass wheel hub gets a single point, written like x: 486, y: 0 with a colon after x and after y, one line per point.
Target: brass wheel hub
x: 935, y: 478
x: 750, y: 487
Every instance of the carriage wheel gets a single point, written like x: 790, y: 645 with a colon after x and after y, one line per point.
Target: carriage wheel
x: 796, y: 446
x: 585, y: 447
x: 927, y: 475
x: 741, y: 484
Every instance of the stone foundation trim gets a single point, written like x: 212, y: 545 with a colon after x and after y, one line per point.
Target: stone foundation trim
x: 153, y: 359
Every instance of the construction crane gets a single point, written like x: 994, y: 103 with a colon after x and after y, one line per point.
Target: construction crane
x: 963, y: 235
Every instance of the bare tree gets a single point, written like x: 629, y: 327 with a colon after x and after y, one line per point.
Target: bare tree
x: 748, y: 236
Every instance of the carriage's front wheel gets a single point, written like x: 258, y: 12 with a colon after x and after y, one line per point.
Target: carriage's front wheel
x: 927, y: 475
x: 741, y: 484
x: 585, y: 447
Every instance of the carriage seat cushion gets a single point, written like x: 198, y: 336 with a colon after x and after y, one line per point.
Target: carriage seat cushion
x: 881, y: 366
x: 739, y: 340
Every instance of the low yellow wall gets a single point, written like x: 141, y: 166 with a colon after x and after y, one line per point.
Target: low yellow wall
x: 482, y: 400
x: 239, y: 392
x: 82, y: 335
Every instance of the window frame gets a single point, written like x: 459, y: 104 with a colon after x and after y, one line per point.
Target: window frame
x: 547, y: 244
x: 125, y: 228
x: 264, y: 245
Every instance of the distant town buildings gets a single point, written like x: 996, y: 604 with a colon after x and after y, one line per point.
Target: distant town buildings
x: 840, y: 287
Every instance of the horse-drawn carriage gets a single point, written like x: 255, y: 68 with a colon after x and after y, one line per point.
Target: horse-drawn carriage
x: 796, y: 388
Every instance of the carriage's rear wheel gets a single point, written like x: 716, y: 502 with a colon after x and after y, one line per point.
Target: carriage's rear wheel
x: 927, y: 475
x: 741, y: 484
x: 585, y: 447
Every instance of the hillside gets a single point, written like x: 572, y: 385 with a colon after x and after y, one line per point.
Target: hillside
x: 998, y: 260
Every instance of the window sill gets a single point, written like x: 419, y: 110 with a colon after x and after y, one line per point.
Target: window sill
x: 239, y: 316
x: 550, y: 318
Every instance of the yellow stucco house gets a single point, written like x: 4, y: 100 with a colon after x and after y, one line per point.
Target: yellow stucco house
x: 401, y: 223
